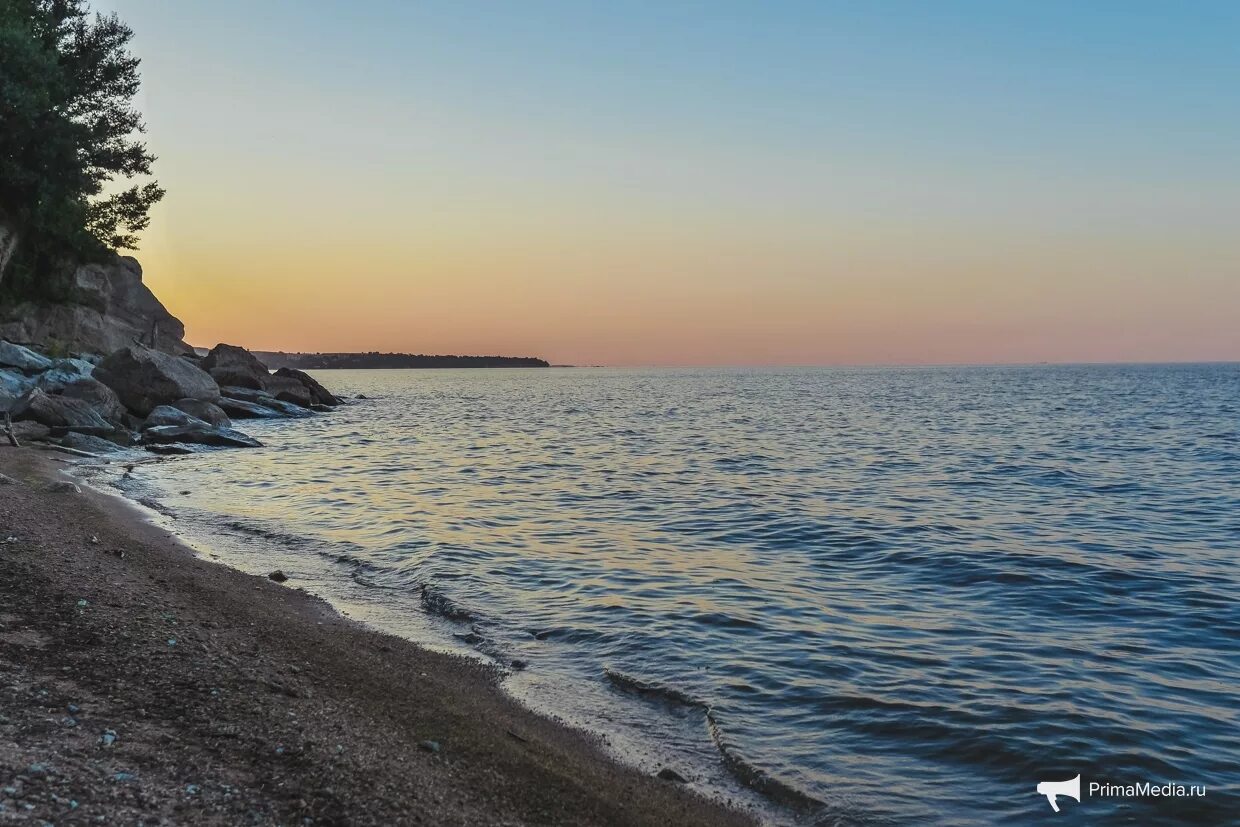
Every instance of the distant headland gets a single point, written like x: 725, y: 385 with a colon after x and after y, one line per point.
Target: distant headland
x: 328, y: 361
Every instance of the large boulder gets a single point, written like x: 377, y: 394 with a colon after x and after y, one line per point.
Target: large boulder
x: 99, y: 396
x: 90, y: 444
x: 319, y: 395
x: 53, y: 411
x: 145, y: 379
x: 287, y: 389
x: 108, y: 308
x: 168, y: 415
x: 208, y: 412
x: 232, y: 365
x: 22, y: 358
x: 200, y: 435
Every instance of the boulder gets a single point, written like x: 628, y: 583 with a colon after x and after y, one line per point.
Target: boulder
x: 145, y: 379
x: 170, y: 449
x: 319, y: 395
x: 200, y: 435
x: 232, y: 365
x: 13, y: 386
x: 169, y: 415
x: 240, y: 409
x: 53, y: 411
x: 265, y: 399
x: 64, y: 372
x: 287, y: 389
x: 99, y: 396
x: 90, y: 444
x: 208, y: 412
x: 108, y: 308
x: 22, y: 358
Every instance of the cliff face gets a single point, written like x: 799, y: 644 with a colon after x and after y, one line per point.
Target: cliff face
x: 110, y: 308
x: 8, y: 243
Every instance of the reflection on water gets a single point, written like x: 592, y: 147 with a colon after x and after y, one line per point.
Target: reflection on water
x: 903, y: 595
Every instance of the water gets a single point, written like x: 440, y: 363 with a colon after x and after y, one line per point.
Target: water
x: 873, y: 596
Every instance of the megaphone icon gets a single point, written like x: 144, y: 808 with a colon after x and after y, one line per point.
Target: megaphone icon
x: 1071, y: 788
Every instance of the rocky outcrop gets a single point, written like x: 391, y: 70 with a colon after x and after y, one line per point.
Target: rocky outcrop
x: 109, y: 307
x: 95, y: 405
x: 144, y: 379
x: 319, y: 395
x: 236, y: 366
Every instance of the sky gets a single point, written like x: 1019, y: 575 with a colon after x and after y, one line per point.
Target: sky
x: 698, y: 183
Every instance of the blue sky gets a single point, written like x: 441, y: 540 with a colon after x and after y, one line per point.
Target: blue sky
x: 794, y: 165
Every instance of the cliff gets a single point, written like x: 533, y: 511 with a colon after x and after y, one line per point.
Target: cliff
x: 109, y: 308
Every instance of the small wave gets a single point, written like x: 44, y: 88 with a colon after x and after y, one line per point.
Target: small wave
x: 437, y: 603
x: 755, y: 778
x: 641, y: 687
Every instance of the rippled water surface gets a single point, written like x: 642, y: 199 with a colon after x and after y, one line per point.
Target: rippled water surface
x: 885, y: 596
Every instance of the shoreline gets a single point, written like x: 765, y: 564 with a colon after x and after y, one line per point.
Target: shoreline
x: 226, y: 708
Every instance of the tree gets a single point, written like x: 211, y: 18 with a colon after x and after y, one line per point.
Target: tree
x: 69, y: 136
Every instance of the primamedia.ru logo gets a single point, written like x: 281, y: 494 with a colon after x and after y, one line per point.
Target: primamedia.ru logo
x: 1055, y: 791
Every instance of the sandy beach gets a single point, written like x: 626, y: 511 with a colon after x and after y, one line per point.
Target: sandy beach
x: 141, y: 684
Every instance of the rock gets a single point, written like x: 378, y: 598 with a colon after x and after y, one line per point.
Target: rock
x: 208, y: 412
x: 91, y: 444
x: 145, y: 379
x: 168, y: 415
x: 287, y: 389
x: 22, y: 358
x: 239, y: 409
x: 64, y: 372
x: 107, y: 739
x: 170, y: 450
x: 117, y: 436
x: 317, y: 408
x: 232, y: 365
x: 8, y: 480
x: 109, y: 308
x: 519, y: 664
x: 278, y: 576
x: 99, y: 396
x: 319, y: 395
x: 265, y: 399
x: 52, y: 411
x: 14, y: 384
x: 62, y: 487
x: 429, y: 746
x: 668, y: 774
x: 201, y: 435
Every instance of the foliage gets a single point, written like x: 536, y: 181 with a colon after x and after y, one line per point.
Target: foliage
x: 68, y: 133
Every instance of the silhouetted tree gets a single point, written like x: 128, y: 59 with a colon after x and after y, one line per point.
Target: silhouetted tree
x: 69, y: 134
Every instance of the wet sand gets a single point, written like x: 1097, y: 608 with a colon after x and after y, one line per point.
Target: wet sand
x: 139, y: 683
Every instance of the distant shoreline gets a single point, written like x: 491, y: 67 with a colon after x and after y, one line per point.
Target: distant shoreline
x: 374, y: 360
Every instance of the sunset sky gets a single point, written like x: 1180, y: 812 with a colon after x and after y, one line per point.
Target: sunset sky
x: 684, y: 183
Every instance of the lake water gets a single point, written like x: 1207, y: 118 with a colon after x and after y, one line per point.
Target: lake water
x: 867, y: 596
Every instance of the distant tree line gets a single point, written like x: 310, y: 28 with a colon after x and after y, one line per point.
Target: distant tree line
x: 361, y: 361
x: 70, y: 141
